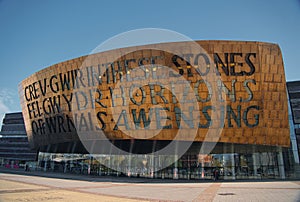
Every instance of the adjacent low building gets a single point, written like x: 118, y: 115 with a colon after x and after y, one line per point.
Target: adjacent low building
x: 14, y: 146
x: 293, y: 88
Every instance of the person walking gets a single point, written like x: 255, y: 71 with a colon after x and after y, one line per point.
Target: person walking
x: 216, y: 174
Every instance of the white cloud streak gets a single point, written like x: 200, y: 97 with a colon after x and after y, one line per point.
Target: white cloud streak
x: 6, y: 101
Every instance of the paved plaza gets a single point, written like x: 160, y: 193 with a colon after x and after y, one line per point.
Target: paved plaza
x: 52, y: 187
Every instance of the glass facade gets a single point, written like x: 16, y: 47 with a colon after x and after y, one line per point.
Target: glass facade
x: 257, y: 164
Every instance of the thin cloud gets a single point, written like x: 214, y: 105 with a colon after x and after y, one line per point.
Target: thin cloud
x: 6, y: 100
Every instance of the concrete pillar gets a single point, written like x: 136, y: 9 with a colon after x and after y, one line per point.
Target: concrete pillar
x: 280, y: 164
x: 202, y: 169
x: 90, y: 164
x: 232, y: 162
x: 99, y: 171
x: 65, y: 167
x: 82, y: 167
x: 254, y: 155
x: 157, y: 167
x: 224, y: 160
x: 52, y: 163
x: 225, y: 152
x: 152, y: 166
x: 254, y: 165
x: 189, y: 167
x: 175, y: 170
x: 45, y: 165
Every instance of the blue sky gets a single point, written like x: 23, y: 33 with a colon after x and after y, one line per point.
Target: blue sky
x: 37, y: 34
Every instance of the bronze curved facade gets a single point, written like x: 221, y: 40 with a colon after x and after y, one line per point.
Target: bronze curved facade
x: 100, y: 92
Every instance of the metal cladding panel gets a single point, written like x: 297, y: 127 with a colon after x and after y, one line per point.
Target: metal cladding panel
x: 228, y: 91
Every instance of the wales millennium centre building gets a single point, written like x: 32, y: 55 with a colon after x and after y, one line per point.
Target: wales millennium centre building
x: 179, y: 110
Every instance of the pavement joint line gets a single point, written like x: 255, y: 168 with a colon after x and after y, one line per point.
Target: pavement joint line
x: 209, y: 193
x: 258, y: 188
x: 31, y: 183
x: 97, y: 187
x: 24, y: 190
x: 173, y: 186
x: 298, y: 182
